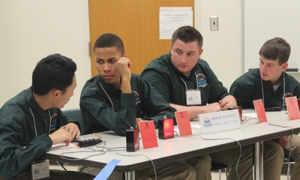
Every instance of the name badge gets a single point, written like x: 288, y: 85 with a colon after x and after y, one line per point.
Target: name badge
x: 193, y: 97
x: 40, y: 169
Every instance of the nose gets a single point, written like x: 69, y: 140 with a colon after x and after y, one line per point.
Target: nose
x: 262, y: 68
x: 183, y: 59
x: 106, y: 67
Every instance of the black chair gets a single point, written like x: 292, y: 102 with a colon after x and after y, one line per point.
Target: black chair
x: 288, y: 162
x: 219, y: 167
x: 75, y: 114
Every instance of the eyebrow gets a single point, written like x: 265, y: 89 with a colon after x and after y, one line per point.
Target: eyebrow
x: 112, y: 58
x: 268, y: 63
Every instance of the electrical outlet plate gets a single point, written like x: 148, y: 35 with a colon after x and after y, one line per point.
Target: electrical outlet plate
x: 214, y: 23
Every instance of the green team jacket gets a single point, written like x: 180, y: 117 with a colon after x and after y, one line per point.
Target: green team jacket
x: 19, y: 145
x: 168, y: 81
x: 104, y: 107
x: 248, y: 87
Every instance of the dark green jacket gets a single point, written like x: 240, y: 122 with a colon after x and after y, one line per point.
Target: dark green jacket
x: 19, y: 145
x: 166, y: 79
x: 248, y: 87
x: 104, y: 107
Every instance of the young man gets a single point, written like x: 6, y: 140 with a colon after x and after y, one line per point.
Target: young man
x: 179, y: 74
x: 115, y: 98
x: 31, y: 122
x: 271, y: 84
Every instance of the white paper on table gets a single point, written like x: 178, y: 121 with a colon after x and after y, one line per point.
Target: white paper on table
x: 63, y: 145
x: 250, y: 115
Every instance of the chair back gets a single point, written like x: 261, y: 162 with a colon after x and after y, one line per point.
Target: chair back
x: 75, y: 114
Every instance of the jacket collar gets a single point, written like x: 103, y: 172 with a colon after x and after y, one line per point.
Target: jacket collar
x: 110, y: 89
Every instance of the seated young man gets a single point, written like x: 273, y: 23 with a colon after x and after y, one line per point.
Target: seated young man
x: 179, y: 74
x: 116, y: 97
x: 32, y: 121
x: 271, y: 84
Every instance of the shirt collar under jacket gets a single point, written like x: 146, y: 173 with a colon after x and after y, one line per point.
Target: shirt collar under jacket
x: 110, y: 89
x: 32, y: 102
x: 268, y: 84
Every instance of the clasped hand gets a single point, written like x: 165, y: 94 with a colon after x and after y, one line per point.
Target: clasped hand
x: 65, y: 134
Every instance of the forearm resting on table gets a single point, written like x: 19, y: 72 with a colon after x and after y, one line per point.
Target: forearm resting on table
x: 192, y: 110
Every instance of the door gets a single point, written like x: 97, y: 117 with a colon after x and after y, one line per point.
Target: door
x: 136, y: 22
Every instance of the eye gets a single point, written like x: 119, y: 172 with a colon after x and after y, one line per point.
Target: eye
x: 261, y: 62
x: 112, y: 61
x: 178, y: 52
x: 190, y: 54
x: 99, y: 61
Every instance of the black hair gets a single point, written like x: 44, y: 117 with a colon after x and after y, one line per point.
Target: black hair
x: 188, y: 34
x: 276, y: 48
x: 53, y: 72
x: 110, y: 40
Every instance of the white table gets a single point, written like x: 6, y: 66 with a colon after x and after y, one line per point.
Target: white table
x: 179, y: 148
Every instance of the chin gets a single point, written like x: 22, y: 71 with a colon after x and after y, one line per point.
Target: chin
x: 62, y: 106
x: 265, y: 78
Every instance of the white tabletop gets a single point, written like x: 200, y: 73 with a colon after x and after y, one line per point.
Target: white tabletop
x: 179, y: 148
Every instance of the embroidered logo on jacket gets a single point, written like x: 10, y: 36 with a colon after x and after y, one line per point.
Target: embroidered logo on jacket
x: 137, y: 97
x: 201, y: 80
x: 53, y: 123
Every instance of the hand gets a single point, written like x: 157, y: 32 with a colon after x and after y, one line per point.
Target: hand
x: 73, y: 129
x: 138, y: 120
x: 213, y: 107
x: 61, y: 135
x: 283, y: 141
x: 124, y: 65
x: 227, y: 101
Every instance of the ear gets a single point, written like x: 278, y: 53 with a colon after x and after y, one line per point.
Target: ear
x: 200, y: 52
x: 285, y: 66
x: 171, y: 49
x: 55, y: 93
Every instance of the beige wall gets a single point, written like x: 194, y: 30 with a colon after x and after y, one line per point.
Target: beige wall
x: 32, y: 29
x: 222, y: 49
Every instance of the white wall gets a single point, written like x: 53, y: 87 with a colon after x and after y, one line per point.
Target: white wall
x: 222, y: 49
x: 281, y: 20
x: 33, y: 29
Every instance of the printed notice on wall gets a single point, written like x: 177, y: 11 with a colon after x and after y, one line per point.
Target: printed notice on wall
x: 171, y: 18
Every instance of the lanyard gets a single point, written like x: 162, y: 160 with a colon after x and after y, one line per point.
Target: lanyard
x: 107, y: 96
x: 262, y: 90
x: 186, y: 88
x: 35, y: 124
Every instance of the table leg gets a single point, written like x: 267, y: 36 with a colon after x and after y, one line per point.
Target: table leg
x: 130, y: 175
x: 259, y: 161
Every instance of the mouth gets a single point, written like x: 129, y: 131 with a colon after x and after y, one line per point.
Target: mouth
x: 262, y: 74
x: 107, y: 77
x: 182, y: 66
